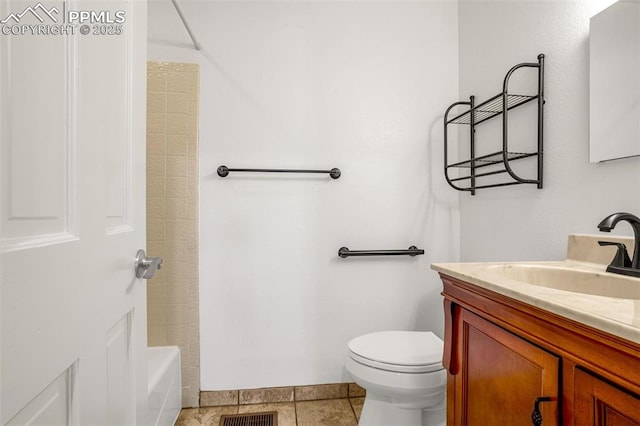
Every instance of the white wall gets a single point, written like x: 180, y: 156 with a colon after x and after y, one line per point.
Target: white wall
x: 357, y: 85
x: 521, y: 222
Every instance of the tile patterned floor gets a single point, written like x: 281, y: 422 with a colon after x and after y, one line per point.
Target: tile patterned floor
x: 326, y: 412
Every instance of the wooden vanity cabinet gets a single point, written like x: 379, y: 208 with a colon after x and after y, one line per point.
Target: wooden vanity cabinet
x: 502, y: 375
x: 601, y: 403
x: 501, y: 354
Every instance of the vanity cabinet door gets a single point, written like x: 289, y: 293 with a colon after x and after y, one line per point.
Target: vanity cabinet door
x: 597, y: 403
x: 500, y: 376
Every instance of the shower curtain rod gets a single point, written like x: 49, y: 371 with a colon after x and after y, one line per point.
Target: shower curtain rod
x: 186, y: 24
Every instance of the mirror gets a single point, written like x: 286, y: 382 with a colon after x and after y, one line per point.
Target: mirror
x: 614, y: 82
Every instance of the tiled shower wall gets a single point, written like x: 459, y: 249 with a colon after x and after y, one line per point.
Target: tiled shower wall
x: 172, y: 214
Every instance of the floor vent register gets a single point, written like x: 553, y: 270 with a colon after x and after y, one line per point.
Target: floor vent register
x: 250, y: 419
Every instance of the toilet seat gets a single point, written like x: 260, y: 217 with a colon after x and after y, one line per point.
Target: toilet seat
x: 398, y: 351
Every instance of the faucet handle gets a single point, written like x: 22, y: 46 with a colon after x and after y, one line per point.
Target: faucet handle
x: 621, y: 259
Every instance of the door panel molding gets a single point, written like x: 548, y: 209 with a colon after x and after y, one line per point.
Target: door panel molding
x: 120, y: 384
x: 54, y: 405
x: 119, y: 194
x: 39, y: 195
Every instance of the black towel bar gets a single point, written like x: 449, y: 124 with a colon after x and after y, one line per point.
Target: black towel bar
x: 223, y: 171
x: 411, y: 251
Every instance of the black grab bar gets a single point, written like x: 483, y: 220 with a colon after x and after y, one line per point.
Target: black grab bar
x: 223, y: 171
x: 411, y: 251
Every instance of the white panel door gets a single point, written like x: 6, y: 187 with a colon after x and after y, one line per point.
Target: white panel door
x: 72, y: 179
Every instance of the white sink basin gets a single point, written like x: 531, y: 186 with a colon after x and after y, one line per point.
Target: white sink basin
x: 577, y: 288
x: 568, y: 278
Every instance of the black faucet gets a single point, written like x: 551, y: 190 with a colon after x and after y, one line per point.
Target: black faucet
x: 621, y: 263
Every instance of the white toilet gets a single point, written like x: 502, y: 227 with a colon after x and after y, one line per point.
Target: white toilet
x: 403, y: 375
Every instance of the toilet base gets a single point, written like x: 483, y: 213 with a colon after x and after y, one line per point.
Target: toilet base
x: 435, y: 416
x: 380, y: 412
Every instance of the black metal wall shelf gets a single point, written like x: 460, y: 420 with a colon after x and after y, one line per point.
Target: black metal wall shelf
x: 473, y: 115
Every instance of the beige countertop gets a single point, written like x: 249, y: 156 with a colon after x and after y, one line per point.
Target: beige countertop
x: 615, y: 315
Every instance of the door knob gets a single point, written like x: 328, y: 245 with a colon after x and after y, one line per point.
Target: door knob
x: 146, y: 267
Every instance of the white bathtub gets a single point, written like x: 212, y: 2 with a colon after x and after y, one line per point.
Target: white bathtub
x: 164, y: 384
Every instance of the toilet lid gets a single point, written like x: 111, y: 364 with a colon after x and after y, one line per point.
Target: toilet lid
x: 400, y: 351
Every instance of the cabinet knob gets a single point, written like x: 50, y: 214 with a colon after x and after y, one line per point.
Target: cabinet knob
x: 536, y: 416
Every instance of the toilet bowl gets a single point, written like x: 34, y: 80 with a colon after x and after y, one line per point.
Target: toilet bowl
x: 403, y: 375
